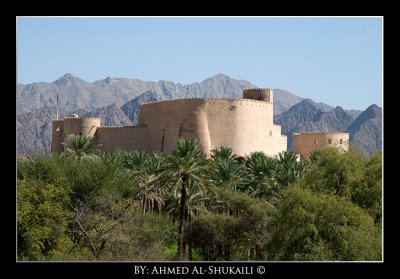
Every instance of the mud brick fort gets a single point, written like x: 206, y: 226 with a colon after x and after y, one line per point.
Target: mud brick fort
x: 245, y: 125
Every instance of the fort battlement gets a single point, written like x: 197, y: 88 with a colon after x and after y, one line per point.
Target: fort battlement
x: 320, y: 133
x: 184, y: 101
x: 260, y: 94
x: 114, y: 127
x: 245, y: 125
x: 80, y: 118
x: 256, y: 89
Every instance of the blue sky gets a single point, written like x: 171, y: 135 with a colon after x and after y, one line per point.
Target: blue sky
x: 334, y: 60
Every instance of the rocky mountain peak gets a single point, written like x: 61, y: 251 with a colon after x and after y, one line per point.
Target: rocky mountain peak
x: 117, y: 101
x: 66, y: 80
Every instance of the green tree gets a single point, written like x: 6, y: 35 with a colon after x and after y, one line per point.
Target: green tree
x: 81, y: 147
x: 216, y: 236
x: 135, y: 159
x: 260, y: 169
x: 227, y: 173
x: 185, y: 167
x: 241, y: 235
x: 45, y: 168
x: 113, y: 159
x: 111, y: 229
x: 42, y: 220
x: 367, y: 192
x: 222, y: 153
x: 334, y: 172
x: 146, y: 181
x: 314, y: 226
x: 349, y: 174
x: 288, y: 170
x: 88, y: 179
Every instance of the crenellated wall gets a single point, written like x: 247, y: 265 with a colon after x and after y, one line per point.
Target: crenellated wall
x: 304, y: 143
x: 245, y: 125
x: 242, y: 124
x: 259, y: 94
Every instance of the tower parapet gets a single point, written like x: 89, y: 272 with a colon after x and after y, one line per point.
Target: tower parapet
x: 81, y: 126
x: 72, y: 125
x: 259, y: 94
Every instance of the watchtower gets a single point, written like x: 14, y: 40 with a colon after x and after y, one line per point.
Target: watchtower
x: 259, y: 94
x: 72, y: 125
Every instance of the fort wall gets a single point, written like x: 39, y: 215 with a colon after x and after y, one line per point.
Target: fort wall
x: 57, y: 136
x: 119, y: 138
x: 81, y: 126
x: 245, y: 125
x: 304, y: 143
x: 242, y: 124
x: 260, y: 94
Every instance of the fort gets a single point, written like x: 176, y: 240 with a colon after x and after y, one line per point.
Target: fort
x: 304, y: 143
x: 245, y: 125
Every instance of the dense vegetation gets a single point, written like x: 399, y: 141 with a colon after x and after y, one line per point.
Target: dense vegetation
x: 88, y: 205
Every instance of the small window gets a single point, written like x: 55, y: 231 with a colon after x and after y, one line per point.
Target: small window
x: 315, y: 141
x: 80, y: 134
x: 270, y: 133
x: 341, y: 141
x: 329, y: 141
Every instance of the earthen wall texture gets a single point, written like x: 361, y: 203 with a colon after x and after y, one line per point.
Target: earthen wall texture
x: 71, y: 125
x: 57, y: 136
x: 81, y: 126
x: 304, y: 143
x: 260, y: 94
x: 245, y: 125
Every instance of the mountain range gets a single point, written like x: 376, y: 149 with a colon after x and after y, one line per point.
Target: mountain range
x: 365, y: 130
x: 117, y: 102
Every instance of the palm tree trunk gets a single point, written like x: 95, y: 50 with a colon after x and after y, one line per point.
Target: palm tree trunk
x: 190, y: 256
x: 181, y: 244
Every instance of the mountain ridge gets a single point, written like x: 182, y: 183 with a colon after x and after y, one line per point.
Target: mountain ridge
x: 365, y: 131
x: 76, y: 93
x: 117, y: 102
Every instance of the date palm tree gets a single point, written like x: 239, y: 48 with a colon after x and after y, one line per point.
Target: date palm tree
x: 228, y: 173
x: 147, y: 188
x: 260, y: 170
x: 222, y: 153
x: 81, y: 147
x: 185, y: 168
x: 288, y: 169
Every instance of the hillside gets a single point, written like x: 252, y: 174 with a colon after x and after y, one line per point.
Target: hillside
x: 117, y: 102
x: 365, y: 131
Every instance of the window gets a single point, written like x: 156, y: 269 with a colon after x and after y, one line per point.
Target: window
x: 341, y: 141
x: 270, y: 133
x: 315, y: 141
x: 329, y: 141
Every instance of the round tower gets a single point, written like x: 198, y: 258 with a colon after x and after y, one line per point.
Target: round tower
x: 259, y: 94
x: 263, y: 95
x: 57, y: 136
x: 304, y: 143
x: 80, y: 126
